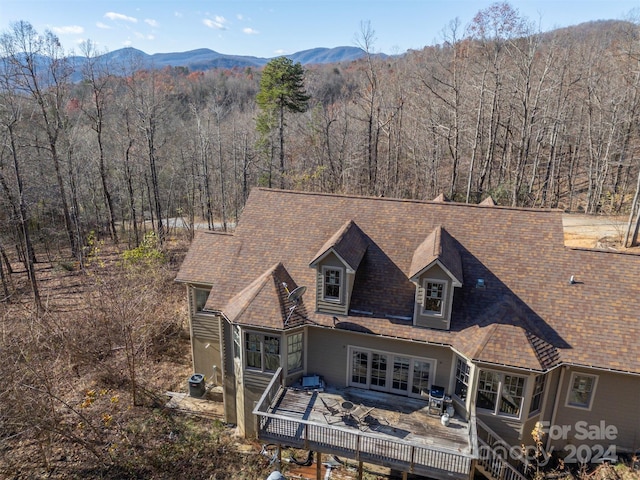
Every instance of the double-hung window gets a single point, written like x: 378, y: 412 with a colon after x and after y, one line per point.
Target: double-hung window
x: 294, y: 352
x: 500, y: 393
x: 462, y: 379
x: 200, y: 296
x: 332, y: 284
x: 581, y: 390
x: 434, y: 297
x: 262, y: 352
x: 538, y: 392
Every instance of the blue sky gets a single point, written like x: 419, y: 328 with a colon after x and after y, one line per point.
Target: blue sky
x: 268, y: 28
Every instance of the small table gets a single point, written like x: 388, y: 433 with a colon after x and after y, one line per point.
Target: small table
x: 347, y: 407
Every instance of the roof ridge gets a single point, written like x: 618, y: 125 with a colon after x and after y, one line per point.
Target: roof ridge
x: 411, y: 200
x: 603, y: 250
x: 487, y: 336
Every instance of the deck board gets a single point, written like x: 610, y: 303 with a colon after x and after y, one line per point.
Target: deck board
x: 404, y: 436
x: 395, y: 416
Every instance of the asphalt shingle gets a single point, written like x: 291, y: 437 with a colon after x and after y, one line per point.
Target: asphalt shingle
x: 528, y: 314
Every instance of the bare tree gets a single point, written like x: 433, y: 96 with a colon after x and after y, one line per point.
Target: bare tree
x: 99, y: 82
x: 10, y: 115
x: 38, y: 68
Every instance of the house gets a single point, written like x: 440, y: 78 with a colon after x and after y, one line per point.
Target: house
x: 393, y: 297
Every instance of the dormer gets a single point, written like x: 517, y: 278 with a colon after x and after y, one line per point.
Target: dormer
x: 336, y: 264
x: 436, y: 269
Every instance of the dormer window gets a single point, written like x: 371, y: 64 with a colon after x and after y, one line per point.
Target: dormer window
x: 332, y: 287
x: 436, y: 269
x: 433, y: 297
x: 336, y: 264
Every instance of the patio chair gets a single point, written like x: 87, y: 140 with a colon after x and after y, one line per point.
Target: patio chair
x: 331, y: 410
x: 363, y: 415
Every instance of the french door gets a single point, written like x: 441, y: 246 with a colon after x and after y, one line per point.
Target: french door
x: 388, y: 372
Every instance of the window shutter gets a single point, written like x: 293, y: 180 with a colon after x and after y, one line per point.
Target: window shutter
x: 420, y: 295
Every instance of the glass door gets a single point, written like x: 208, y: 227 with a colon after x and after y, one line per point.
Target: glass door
x: 420, y: 377
x: 379, y: 371
x: 400, y: 376
x: 359, y: 368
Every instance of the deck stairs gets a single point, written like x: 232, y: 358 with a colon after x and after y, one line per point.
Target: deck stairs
x: 494, y: 461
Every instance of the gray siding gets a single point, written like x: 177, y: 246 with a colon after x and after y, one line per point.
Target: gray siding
x: 327, y: 354
x: 254, y: 385
x: 328, y: 307
x: 431, y: 321
x: 507, y: 428
x: 229, y: 375
x: 206, y: 326
x: 205, y: 342
x: 333, y: 308
x: 615, y: 403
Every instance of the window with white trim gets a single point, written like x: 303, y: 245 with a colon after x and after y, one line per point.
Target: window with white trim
x: 462, y: 379
x: 332, y: 284
x: 434, y: 291
x: 200, y: 296
x: 236, y: 341
x: 538, y: 392
x: 390, y: 372
x: 581, y: 390
x: 294, y: 352
x: 500, y: 393
x: 262, y: 352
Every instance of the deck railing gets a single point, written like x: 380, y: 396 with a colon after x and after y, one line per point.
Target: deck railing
x: 493, y: 456
x: 358, y: 445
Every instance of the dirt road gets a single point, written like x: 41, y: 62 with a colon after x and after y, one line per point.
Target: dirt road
x: 594, y: 231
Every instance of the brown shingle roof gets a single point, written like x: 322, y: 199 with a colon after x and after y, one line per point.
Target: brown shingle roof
x: 264, y: 302
x: 438, y: 246
x: 349, y: 243
x: 488, y: 202
x: 528, y: 315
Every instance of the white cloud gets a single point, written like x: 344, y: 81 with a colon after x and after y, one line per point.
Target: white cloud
x: 68, y: 30
x: 240, y: 17
x: 250, y: 31
x: 104, y: 26
x: 120, y: 16
x: 151, y: 22
x: 218, y: 23
x: 127, y: 43
x: 177, y: 14
x: 151, y: 37
x: 280, y: 52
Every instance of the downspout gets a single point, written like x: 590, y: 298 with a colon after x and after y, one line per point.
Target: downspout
x: 471, y: 389
x: 223, y: 361
x: 555, y: 403
x: 190, y: 301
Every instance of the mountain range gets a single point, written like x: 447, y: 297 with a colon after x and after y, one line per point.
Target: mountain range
x: 205, y: 59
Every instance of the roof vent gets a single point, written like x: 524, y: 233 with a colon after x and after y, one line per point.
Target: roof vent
x: 480, y: 283
x: 572, y: 280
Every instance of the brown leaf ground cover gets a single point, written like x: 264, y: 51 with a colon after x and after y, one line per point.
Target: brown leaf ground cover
x: 83, y: 382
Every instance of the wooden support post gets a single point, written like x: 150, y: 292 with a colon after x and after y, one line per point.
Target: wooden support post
x: 360, y: 470
x: 279, y: 453
x: 404, y: 475
x: 318, y: 466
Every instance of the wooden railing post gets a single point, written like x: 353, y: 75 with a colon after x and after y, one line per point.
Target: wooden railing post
x: 413, y: 457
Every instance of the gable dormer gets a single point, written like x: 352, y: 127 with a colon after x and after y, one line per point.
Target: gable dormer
x: 436, y: 269
x: 336, y: 264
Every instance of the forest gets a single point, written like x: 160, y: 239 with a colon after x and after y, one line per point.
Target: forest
x: 533, y: 119
x: 103, y: 182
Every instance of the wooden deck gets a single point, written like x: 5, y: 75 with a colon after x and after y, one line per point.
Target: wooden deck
x: 399, y: 433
